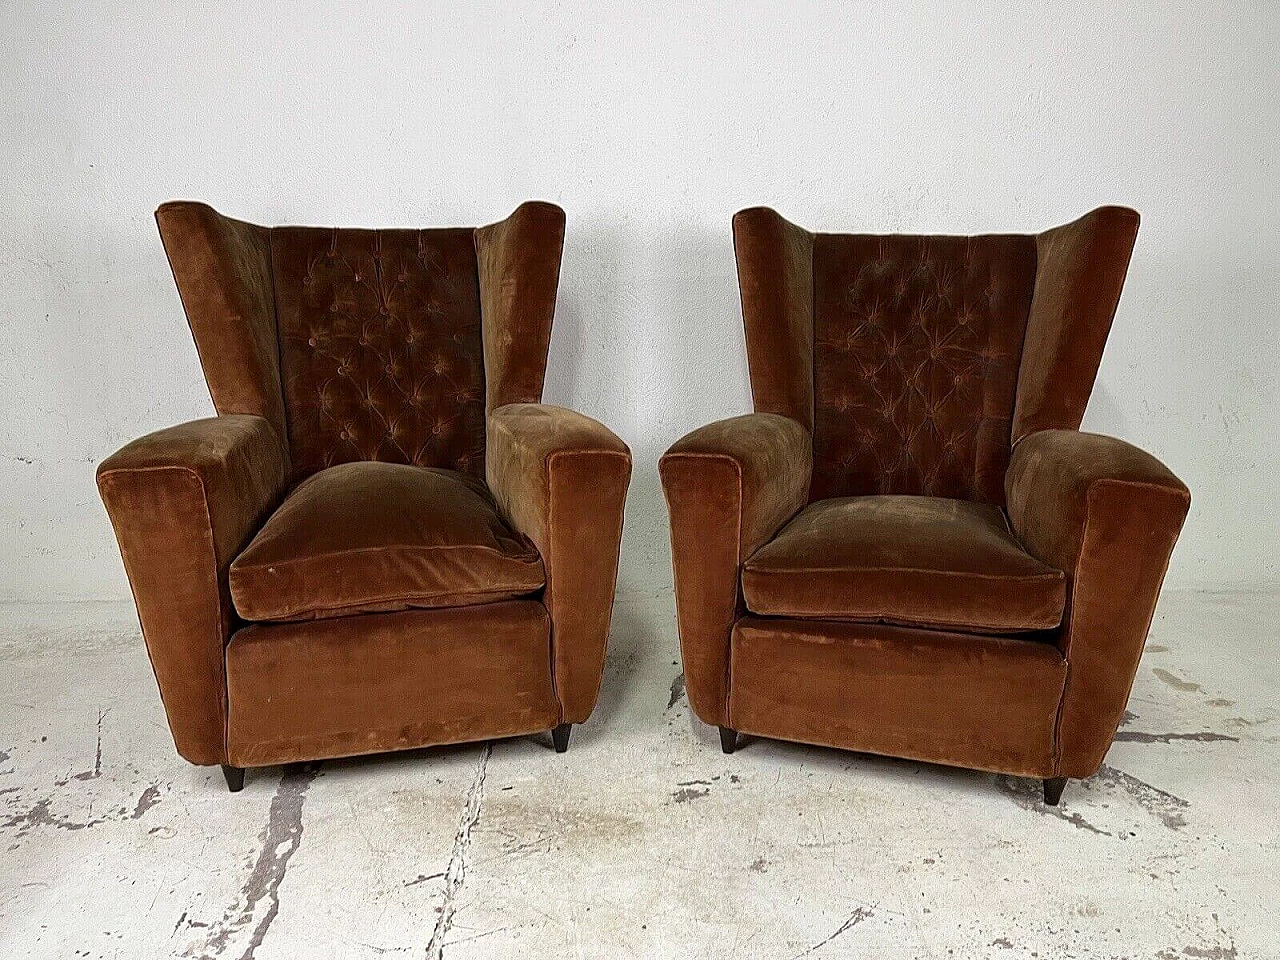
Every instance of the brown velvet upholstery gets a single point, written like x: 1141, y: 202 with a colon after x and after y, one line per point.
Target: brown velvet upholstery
x: 369, y: 537
x: 389, y: 681
x: 278, y: 551
x: 907, y: 390
x: 919, y: 561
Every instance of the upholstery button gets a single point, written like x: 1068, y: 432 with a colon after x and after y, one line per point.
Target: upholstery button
x: 311, y: 342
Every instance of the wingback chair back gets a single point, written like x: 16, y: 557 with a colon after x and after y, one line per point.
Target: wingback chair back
x: 917, y: 362
x: 355, y: 344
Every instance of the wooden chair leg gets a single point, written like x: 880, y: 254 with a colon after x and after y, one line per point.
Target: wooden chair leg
x: 1053, y: 788
x: 234, y: 777
x: 560, y: 737
x: 728, y: 739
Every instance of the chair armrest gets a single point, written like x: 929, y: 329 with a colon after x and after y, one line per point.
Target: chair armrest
x: 561, y: 478
x: 184, y: 502
x: 518, y: 261
x: 730, y: 486
x: 1106, y: 514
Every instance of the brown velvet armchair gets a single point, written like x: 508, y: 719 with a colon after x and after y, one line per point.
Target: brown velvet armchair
x: 384, y: 540
x: 910, y: 548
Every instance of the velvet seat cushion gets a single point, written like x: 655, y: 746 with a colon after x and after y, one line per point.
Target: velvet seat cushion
x: 915, y: 561
x: 367, y: 537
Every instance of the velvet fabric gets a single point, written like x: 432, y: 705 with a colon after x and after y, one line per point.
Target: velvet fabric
x: 356, y: 371
x: 919, y: 561
x: 1080, y: 271
x: 907, y: 390
x: 369, y: 537
x: 184, y: 502
x: 962, y: 699
x: 380, y: 346
x: 519, y: 265
x: 223, y: 271
x: 367, y: 684
x: 560, y: 479
x: 917, y: 342
x: 729, y: 487
x: 1108, y: 514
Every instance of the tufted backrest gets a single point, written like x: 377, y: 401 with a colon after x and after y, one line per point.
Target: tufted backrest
x: 904, y: 355
x: 369, y: 344
x: 381, y: 352
x: 916, y: 347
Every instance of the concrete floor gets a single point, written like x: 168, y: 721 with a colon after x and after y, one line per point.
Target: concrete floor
x: 643, y: 840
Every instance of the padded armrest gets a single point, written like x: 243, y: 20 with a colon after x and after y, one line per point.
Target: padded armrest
x: 184, y: 502
x: 1106, y: 514
x: 561, y: 478
x: 730, y: 486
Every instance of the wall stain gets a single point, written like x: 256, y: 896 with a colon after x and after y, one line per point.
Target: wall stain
x: 277, y: 843
x: 1185, y: 686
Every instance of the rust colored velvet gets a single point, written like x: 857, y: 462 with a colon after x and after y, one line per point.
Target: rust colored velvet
x: 918, y: 561
x: 223, y: 271
x: 729, y: 487
x: 560, y: 478
x: 1108, y: 514
x: 184, y: 501
x: 367, y: 684
x: 962, y: 699
x: 519, y: 269
x: 370, y: 537
x: 380, y: 346
x: 775, y: 277
x: 353, y: 364
x: 917, y: 342
x: 1080, y: 272
x: 925, y: 367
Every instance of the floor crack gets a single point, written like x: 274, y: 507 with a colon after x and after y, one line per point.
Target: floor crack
x: 456, y: 872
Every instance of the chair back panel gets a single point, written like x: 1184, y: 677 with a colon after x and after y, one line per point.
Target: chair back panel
x: 381, y: 353
x: 917, y: 342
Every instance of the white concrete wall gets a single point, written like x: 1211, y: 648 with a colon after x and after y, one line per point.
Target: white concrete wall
x: 650, y: 128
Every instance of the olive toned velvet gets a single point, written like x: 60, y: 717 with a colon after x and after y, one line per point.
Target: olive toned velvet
x: 366, y: 684
x: 369, y: 537
x: 359, y: 376
x: 184, y: 502
x: 560, y: 478
x: 729, y: 486
x: 1108, y: 514
x: 906, y: 390
x: 919, y: 561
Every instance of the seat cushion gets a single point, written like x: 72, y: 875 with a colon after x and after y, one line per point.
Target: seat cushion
x: 915, y: 561
x: 370, y: 537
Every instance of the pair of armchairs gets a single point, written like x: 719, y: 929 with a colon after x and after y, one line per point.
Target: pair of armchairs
x: 384, y: 540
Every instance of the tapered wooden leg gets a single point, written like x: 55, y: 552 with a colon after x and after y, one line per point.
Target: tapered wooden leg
x: 234, y: 777
x: 728, y: 739
x: 560, y: 737
x: 1053, y: 788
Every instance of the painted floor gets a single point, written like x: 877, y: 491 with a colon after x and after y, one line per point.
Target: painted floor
x: 643, y: 840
